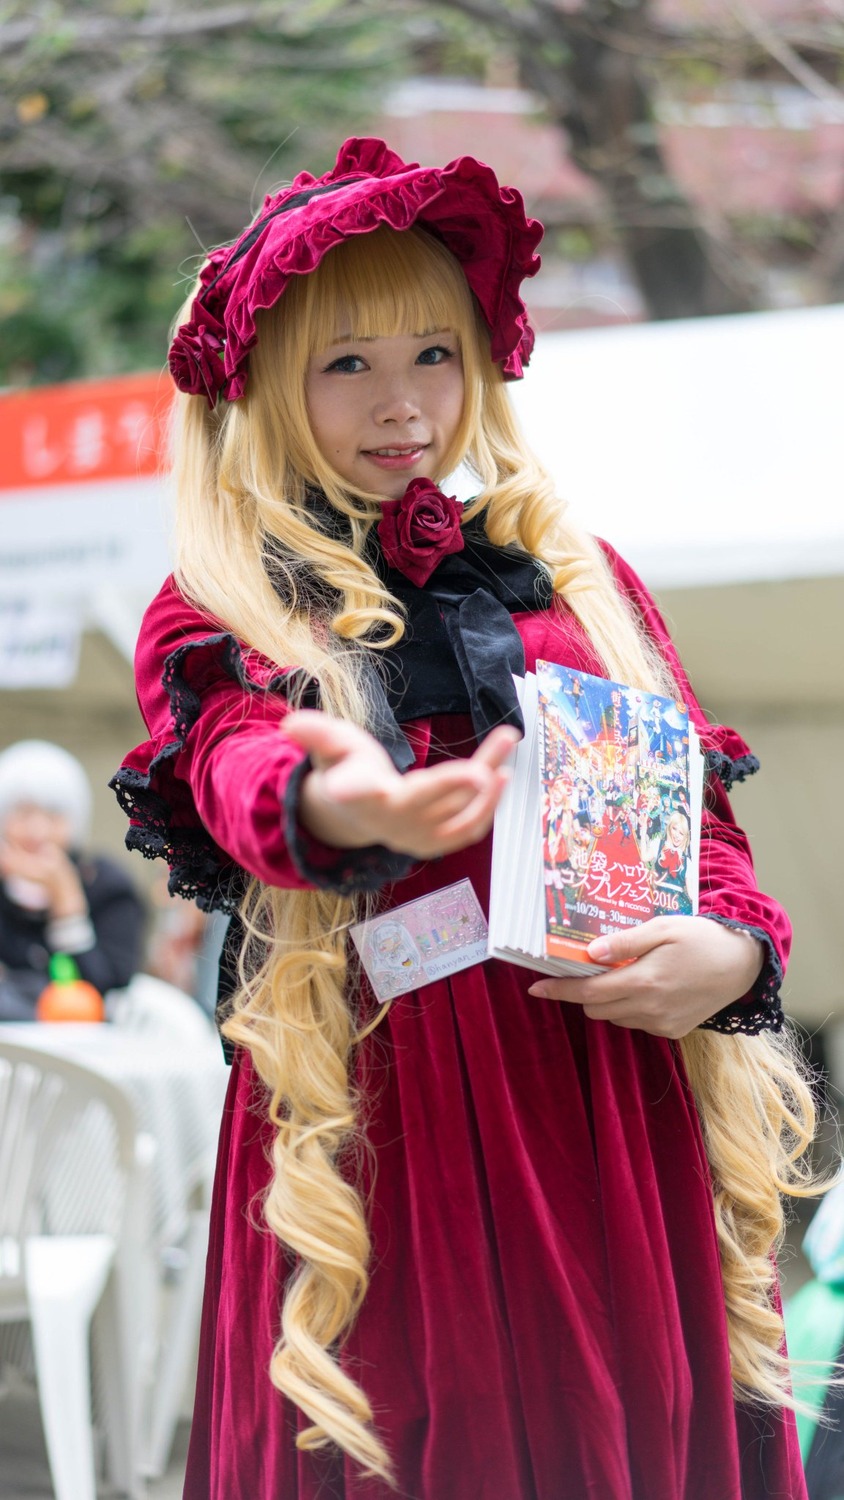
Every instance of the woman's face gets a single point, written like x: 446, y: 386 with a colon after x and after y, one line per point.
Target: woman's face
x: 677, y: 833
x: 386, y: 410
x: 34, y: 829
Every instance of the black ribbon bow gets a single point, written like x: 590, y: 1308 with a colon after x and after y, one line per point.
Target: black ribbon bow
x: 460, y: 648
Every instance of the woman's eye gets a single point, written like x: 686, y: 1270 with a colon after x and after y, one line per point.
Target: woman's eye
x: 435, y: 355
x: 347, y: 364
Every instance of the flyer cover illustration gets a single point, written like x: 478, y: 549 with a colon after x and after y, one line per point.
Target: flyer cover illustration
x: 616, y: 815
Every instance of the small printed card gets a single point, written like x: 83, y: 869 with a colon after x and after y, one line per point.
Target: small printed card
x: 423, y: 940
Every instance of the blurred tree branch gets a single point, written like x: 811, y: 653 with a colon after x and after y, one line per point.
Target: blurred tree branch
x: 601, y: 69
x: 132, y: 135
x: 75, y: 31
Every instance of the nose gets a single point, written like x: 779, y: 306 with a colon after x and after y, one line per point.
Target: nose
x: 396, y: 403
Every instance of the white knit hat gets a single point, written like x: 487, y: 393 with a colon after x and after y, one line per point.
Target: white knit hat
x: 44, y: 774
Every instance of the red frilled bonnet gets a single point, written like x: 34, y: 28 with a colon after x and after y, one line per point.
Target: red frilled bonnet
x: 483, y: 224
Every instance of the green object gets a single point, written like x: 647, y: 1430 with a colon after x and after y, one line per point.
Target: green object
x: 814, y: 1330
x: 62, y: 969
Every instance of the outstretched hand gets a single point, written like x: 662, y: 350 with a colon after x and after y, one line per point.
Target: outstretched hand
x: 354, y: 796
x: 684, y: 970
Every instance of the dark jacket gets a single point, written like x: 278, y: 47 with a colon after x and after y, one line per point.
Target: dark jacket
x: 117, y: 916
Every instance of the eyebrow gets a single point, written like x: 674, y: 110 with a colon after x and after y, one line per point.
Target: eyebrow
x: 352, y: 338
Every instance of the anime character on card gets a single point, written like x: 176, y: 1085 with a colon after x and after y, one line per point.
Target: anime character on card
x: 393, y: 958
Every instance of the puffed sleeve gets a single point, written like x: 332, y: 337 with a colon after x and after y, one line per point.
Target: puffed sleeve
x: 728, y: 889
x: 215, y: 788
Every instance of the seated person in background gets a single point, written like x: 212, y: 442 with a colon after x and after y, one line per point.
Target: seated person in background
x: 53, y: 898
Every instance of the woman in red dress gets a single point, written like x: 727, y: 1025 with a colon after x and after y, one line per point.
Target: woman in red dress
x: 508, y: 1238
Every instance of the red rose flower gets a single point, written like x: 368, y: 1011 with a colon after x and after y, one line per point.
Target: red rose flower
x: 196, y: 360
x: 419, y: 530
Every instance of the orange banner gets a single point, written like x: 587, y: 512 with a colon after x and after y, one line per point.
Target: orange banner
x: 87, y: 429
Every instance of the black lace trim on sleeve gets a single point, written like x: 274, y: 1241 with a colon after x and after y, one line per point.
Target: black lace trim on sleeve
x: 762, y: 1011
x: 185, y: 703
x: 196, y: 869
x: 353, y: 870
x: 730, y: 771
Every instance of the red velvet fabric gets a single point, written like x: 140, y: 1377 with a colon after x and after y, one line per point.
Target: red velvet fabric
x: 545, y: 1319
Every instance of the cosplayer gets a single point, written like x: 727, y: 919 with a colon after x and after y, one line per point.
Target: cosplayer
x: 507, y: 1238
x: 671, y: 869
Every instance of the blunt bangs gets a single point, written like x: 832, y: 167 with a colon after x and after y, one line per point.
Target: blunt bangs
x: 385, y: 283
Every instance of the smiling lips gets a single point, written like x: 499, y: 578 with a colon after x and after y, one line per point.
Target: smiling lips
x: 396, y: 458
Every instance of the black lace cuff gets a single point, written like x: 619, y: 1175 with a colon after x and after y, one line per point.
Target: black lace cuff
x: 343, y: 870
x: 729, y: 770
x: 199, y: 869
x: 760, y: 1009
x: 196, y: 871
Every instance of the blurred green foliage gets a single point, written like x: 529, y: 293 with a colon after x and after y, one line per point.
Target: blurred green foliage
x: 127, y: 144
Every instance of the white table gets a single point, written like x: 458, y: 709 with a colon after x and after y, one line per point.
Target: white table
x: 178, y: 1091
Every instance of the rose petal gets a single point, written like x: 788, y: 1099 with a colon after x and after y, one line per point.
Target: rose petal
x: 419, y: 530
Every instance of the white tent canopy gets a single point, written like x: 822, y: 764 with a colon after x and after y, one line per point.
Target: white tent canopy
x: 709, y: 451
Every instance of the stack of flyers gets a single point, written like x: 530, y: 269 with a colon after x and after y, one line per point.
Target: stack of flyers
x: 600, y: 822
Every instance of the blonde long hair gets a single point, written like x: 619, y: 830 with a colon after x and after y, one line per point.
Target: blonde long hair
x: 246, y: 546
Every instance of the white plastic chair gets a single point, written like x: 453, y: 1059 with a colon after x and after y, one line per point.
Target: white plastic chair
x: 149, y: 1004
x: 55, y: 1279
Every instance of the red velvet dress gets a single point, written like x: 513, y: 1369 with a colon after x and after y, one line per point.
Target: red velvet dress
x: 545, y: 1318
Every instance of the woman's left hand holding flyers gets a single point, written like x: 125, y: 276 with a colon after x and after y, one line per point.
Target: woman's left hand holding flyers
x: 677, y: 972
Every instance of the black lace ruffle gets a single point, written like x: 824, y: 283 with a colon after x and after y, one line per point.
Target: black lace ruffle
x: 198, y: 870
x: 762, y: 1011
x: 185, y: 702
x: 730, y: 771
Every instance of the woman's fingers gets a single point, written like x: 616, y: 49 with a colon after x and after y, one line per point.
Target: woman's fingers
x: 680, y: 971
x: 329, y: 740
x: 356, y: 793
x: 633, y: 942
x: 473, y: 821
x: 455, y: 801
x: 497, y: 747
